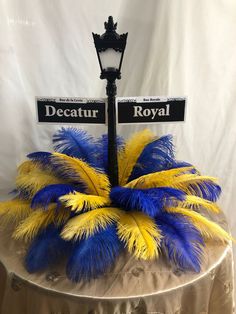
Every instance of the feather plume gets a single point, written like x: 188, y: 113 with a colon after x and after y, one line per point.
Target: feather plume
x: 191, y: 183
x: 181, y: 164
x: 14, y: 210
x: 128, y: 157
x: 149, y: 201
x: 95, y: 182
x: 210, y: 190
x: 203, y: 186
x: 32, y: 178
x: 132, y: 199
x: 87, y: 224
x: 38, y: 220
x: 26, y: 167
x: 139, y: 234
x: 77, y: 143
x: 43, y: 158
x: 157, y: 179
x: 181, y: 241
x: 79, y: 201
x: 46, y: 250
x: 51, y: 194
x: 103, y: 149
x: 94, y: 256
x: 195, y: 202
x: 207, y: 228
x: 156, y: 156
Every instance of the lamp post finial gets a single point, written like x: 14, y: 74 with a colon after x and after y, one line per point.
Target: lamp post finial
x: 110, y: 26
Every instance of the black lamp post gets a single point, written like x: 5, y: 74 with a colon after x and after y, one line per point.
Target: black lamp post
x: 110, y: 48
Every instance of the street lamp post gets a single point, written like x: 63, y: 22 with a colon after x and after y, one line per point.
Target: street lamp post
x: 110, y: 48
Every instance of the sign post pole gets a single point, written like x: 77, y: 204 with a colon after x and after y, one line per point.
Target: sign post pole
x: 112, y: 145
x: 110, y: 48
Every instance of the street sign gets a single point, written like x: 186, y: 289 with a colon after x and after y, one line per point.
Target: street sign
x: 71, y: 110
x: 150, y: 109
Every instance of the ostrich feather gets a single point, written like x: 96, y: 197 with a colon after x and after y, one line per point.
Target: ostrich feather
x: 14, y: 210
x: 46, y: 250
x: 79, y: 201
x: 76, y: 143
x: 149, y: 201
x: 181, y: 241
x: 158, y: 179
x: 32, y: 178
x: 209, y: 190
x: 94, y: 256
x: 128, y: 156
x: 51, y: 194
x: 39, y: 220
x: 103, y: 149
x: 207, y: 228
x: 95, y: 182
x: 132, y: 199
x: 181, y: 164
x: 156, y: 156
x: 44, y: 158
x: 26, y: 167
x: 195, y: 202
x: 87, y: 224
x: 202, y: 186
x: 139, y: 234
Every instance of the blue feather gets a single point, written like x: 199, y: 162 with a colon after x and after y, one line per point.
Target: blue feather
x: 51, y: 193
x: 149, y: 201
x: 103, y: 149
x: 181, y: 241
x: 77, y: 143
x: 156, y: 156
x: 180, y: 164
x: 46, y: 249
x: 208, y: 190
x: 92, y: 257
x: 44, y: 158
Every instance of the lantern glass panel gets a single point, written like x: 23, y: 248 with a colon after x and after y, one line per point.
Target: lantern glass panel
x: 110, y: 59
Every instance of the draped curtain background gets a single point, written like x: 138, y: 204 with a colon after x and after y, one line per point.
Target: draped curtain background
x: 175, y: 48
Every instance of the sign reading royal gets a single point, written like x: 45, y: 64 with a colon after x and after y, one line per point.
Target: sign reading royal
x: 71, y: 110
x: 150, y: 109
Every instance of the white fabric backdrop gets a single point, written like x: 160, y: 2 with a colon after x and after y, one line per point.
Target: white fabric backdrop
x: 175, y: 48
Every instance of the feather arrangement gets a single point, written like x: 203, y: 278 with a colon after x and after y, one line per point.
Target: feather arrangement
x: 66, y: 208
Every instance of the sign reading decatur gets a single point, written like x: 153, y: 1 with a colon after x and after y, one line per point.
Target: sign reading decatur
x: 71, y: 110
x: 150, y: 109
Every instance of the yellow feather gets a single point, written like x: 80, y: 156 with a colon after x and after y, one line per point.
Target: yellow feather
x: 79, y: 201
x: 207, y: 228
x: 96, y: 183
x: 128, y: 156
x: 26, y: 167
x: 88, y: 223
x: 161, y: 178
x: 14, y: 210
x: 32, y: 177
x: 195, y: 202
x: 38, y: 220
x: 140, y: 234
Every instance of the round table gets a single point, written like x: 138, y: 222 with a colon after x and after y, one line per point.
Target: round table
x: 132, y: 286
